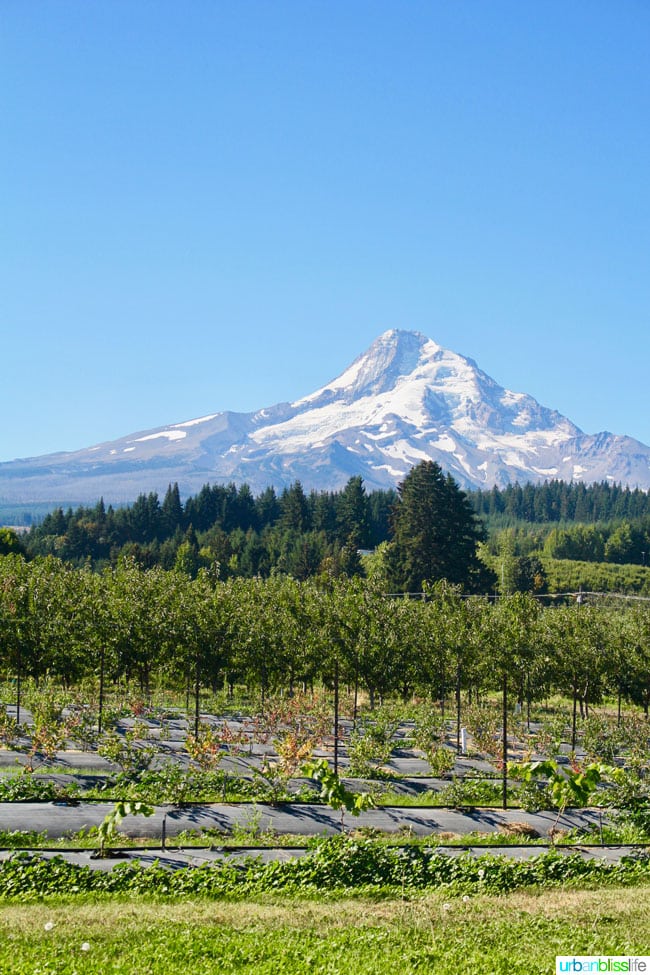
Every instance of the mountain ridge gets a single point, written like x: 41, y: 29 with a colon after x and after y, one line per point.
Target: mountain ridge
x: 403, y: 400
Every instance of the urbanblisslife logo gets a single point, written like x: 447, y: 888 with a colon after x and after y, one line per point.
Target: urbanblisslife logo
x: 602, y: 963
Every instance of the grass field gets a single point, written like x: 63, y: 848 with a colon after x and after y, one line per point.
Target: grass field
x: 520, y: 933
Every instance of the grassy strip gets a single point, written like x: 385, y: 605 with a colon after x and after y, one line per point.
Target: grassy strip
x: 334, y: 865
x: 518, y: 935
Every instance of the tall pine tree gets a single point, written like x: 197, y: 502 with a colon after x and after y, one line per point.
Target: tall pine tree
x: 435, y: 533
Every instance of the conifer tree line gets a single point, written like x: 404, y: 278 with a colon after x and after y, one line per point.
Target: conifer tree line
x: 155, y: 628
x: 293, y: 532
x: 563, y: 501
x: 301, y: 534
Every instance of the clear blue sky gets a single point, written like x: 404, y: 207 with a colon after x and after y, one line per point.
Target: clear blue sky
x: 218, y: 205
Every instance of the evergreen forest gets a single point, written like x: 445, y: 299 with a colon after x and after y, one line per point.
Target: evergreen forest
x: 550, y: 537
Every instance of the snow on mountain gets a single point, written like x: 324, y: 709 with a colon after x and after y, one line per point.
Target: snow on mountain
x: 406, y: 399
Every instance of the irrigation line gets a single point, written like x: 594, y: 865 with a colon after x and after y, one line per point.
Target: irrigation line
x: 168, y: 807
x: 117, y: 851
x: 495, y: 597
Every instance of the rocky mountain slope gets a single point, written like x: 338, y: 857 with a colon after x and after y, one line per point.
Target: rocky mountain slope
x: 404, y: 400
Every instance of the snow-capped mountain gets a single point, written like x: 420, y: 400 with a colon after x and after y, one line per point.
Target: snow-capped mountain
x: 404, y: 400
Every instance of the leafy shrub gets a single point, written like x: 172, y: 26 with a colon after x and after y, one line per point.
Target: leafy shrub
x: 171, y: 783
x: 205, y: 747
x: 472, y: 792
x: 601, y: 738
x: 46, y: 741
x: 82, y: 727
x: 441, y: 761
x: 108, y: 832
x: 367, y: 753
x: 429, y: 736
x: 333, y: 864
x: 46, y: 703
x: 371, y: 744
x: 547, y: 741
x: 307, y: 715
x: 334, y: 792
x: 27, y: 788
x: 533, y: 796
x: 129, y: 751
x: 18, y: 838
x: 634, y: 740
x: 10, y: 730
x: 484, y: 725
x: 630, y: 794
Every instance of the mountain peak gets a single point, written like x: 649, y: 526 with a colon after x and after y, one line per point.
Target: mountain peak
x: 405, y: 399
x: 396, y: 353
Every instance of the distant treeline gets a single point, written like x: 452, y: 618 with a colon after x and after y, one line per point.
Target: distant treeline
x: 562, y: 501
x: 297, y: 533
x: 293, y: 532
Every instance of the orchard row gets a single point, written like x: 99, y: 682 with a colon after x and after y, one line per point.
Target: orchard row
x: 164, y: 628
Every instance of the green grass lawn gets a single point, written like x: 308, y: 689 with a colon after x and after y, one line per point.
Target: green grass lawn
x: 520, y: 933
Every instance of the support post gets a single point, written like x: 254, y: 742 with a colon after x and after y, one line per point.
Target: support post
x: 19, y: 670
x: 504, y: 753
x: 458, y: 743
x: 336, y: 716
x: 100, y: 716
x: 197, y: 709
x: 574, y: 719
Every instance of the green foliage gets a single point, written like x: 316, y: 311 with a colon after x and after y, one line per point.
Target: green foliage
x: 370, y: 745
x: 10, y: 730
x: 633, y: 734
x: 532, y: 796
x: 548, y: 738
x: 582, y: 543
x: 601, y: 737
x: 173, y: 784
x: 107, y: 831
x: 471, y: 792
x: 143, y: 630
x: 566, y: 786
x: 46, y: 703
x: 129, y: 750
x: 484, y: 724
x: 620, y: 542
x: 20, y: 839
x: 10, y: 543
x: 514, y: 572
x: 82, y: 726
x: 435, y: 532
x: 562, y: 501
x: 51, y: 729
x: 429, y: 736
x: 565, y: 575
x: 630, y: 795
x: 222, y: 527
x: 335, y: 864
x: 333, y: 792
x: 27, y: 788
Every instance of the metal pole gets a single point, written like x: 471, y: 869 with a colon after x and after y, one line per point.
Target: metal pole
x: 505, y: 741
x: 336, y: 716
x: 101, y: 692
x: 458, y: 709
x: 18, y: 678
x: 197, y: 710
x: 574, y: 719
